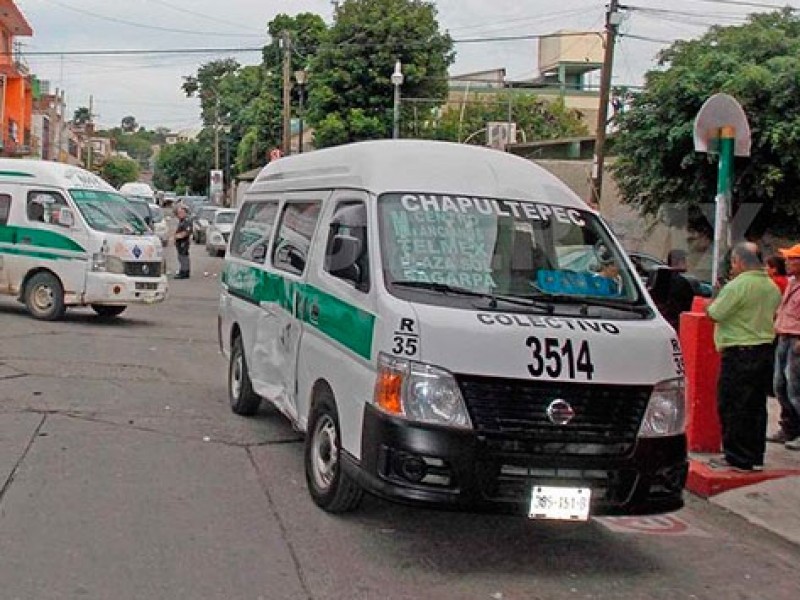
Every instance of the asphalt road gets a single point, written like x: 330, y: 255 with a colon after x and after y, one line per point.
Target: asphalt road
x: 123, y: 475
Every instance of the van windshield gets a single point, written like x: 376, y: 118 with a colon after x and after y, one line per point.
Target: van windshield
x: 108, y: 212
x: 457, y: 245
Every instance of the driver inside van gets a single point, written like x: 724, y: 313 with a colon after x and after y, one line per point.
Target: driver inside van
x: 609, y: 269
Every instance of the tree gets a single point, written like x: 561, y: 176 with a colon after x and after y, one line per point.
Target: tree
x: 118, y: 170
x: 129, y: 124
x: 350, y: 91
x: 759, y: 64
x: 535, y: 119
x: 82, y: 116
x: 183, y: 166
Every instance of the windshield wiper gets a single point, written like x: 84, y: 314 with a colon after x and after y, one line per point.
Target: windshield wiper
x: 588, y: 301
x: 444, y: 288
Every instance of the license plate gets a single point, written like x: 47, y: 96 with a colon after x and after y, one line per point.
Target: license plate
x: 560, y: 503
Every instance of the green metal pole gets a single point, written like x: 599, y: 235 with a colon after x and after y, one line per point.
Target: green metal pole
x: 722, y: 234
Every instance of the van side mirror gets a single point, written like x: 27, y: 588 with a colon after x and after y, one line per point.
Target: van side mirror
x: 344, y: 253
x: 260, y: 253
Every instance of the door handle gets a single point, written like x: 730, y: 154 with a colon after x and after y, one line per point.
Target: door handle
x: 25, y: 240
x: 313, y: 313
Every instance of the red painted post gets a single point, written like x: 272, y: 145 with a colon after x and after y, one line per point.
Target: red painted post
x: 702, y: 370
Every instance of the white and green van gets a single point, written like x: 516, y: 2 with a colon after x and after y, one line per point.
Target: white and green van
x: 67, y: 238
x: 442, y: 322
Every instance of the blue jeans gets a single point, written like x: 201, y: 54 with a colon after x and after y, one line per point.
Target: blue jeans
x: 786, y: 383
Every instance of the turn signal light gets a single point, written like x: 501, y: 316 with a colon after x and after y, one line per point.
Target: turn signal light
x: 387, y: 391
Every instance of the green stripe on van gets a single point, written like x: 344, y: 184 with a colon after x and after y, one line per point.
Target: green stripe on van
x: 16, y: 174
x: 37, y: 254
x: 41, y: 238
x: 338, y: 320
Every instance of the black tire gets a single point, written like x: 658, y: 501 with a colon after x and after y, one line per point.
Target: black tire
x: 105, y: 311
x: 330, y: 487
x: 244, y: 401
x: 44, y: 297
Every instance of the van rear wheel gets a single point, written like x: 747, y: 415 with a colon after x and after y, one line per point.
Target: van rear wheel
x: 330, y: 487
x: 244, y: 401
x: 103, y: 310
x: 44, y: 297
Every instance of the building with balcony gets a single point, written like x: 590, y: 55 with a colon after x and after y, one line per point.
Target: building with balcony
x: 16, y: 90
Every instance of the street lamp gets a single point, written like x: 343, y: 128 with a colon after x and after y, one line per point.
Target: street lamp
x: 397, y: 81
x: 300, y: 77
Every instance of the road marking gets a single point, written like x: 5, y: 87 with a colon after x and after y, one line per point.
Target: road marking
x: 655, y: 525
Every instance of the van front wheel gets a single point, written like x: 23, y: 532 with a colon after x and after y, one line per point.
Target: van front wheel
x: 44, y: 297
x: 244, y: 401
x: 330, y: 487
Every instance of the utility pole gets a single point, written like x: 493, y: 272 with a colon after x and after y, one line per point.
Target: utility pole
x: 89, y: 131
x: 613, y: 19
x: 216, y: 133
x: 286, y: 42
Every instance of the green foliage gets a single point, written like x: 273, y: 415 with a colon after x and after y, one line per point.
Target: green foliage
x: 118, y: 170
x: 350, y: 90
x: 129, y: 124
x: 757, y: 63
x: 536, y: 119
x: 183, y: 167
x: 82, y: 115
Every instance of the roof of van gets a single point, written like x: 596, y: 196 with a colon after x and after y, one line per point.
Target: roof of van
x: 43, y: 172
x: 417, y: 166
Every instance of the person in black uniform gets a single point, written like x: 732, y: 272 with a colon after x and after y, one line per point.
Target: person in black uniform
x: 183, y: 239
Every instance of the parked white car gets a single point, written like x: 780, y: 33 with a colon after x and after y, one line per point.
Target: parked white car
x: 159, y: 225
x: 218, y: 231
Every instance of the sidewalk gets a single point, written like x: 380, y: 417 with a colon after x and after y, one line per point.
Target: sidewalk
x: 770, y: 499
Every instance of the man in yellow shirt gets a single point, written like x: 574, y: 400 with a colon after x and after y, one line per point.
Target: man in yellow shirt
x: 743, y: 315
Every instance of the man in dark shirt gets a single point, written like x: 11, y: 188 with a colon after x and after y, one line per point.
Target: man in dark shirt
x: 183, y: 239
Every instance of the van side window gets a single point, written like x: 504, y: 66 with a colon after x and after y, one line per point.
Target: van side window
x: 346, y: 251
x: 5, y: 208
x: 253, y: 231
x: 294, y: 236
x: 45, y: 207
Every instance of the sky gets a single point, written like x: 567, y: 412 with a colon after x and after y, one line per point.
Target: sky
x: 148, y: 86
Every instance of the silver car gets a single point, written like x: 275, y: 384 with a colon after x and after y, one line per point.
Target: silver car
x: 201, y: 221
x: 218, y: 231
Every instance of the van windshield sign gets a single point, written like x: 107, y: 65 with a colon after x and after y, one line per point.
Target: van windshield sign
x: 498, y: 246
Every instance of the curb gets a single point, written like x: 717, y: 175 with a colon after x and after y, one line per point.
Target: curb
x: 705, y: 481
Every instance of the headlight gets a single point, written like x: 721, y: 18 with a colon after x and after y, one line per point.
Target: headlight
x: 666, y: 410
x: 107, y: 264
x: 115, y: 265
x: 419, y: 392
x: 98, y: 261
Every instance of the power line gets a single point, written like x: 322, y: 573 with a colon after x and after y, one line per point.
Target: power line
x: 215, y: 19
x: 421, y: 44
x: 143, y: 26
x: 744, y: 3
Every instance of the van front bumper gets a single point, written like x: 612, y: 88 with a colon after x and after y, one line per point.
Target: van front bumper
x: 109, y: 288
x: 418, y: 463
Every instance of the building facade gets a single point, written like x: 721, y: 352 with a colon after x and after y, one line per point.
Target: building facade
x: 16, y: 90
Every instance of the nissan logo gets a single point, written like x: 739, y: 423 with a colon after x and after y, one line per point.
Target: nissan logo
x: 145, y: 269
x: 560, y: 412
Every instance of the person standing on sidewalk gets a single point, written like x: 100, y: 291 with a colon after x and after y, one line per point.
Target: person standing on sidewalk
x: 786, y: 381
x: 743, y: 316
x: 183, y: 240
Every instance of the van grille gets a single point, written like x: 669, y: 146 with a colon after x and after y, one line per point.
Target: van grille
x: 511, y: 415
x: 143, y: 269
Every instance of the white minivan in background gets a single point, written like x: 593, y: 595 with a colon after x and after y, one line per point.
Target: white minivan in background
x: 67, y: 238
x: 406, y: 304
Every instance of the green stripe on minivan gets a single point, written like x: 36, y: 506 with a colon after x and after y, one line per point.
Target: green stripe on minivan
x: 338, y: 320
x: 41, y: 238
x: 16, y: 174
